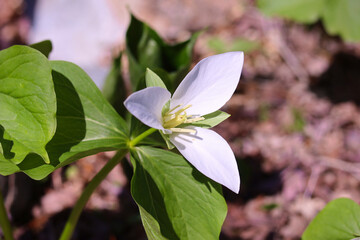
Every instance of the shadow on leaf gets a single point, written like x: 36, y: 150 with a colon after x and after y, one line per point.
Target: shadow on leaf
x: 146, y: 197
x: 71, y: 126
x: 5, y: 145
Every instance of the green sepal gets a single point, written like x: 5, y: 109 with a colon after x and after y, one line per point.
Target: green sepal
x: 166, y: 138
x: 153, y: 80
x: 165, y: 108
x: 211, y: 120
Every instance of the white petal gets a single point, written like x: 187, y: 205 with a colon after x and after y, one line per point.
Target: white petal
x: 209, y: 153
x: 146, y: 105
x: 210, y: 84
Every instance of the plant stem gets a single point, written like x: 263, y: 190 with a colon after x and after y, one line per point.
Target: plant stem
x: 94, y: 183
x: 89, y: 189
x: 4, y: 220
x: 136, y: 140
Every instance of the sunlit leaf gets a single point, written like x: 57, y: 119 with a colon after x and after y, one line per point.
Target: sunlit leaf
x: 153, y: 80
x: 175, y: 200
x: 27, y: 103
x: 306, y: 11
x: 342, y: 17
x: 340, y: 219
x: 86, y: 123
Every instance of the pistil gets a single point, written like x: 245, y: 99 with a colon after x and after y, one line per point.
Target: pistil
x: 172, y: 120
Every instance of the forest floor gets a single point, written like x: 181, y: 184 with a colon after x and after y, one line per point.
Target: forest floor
x: 294, y: 128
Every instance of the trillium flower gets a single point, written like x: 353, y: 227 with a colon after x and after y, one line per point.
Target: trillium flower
x: 206, y: 88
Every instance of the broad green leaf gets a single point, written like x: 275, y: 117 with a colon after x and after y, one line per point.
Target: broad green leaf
x: 175, y: 200
x: 339, y: 16
x: 27, y: 103
x: 212, y: 119
x: 145, y: 49
x: 342, y: 17
x: 340, y: 219
x: 114, y: 88
x: 153, y: 80
x: 86, y: 123
x: 142, y: 50
x: 45, y: 47
x: 306, y: 11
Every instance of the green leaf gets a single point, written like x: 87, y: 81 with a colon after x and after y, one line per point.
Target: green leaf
x: 339, y: 16
x: 244, y: 45
x: 145, y: 49
x: 86, y: 123
x: 27, y: 103
x: 220, y: 46
x: 114, y: 88
x: 217, y: 44
x: 175, y: 200
x: 342, y: 17
x: 305, y: 11
x: 45, y: 47
x: 142, y: 50
x: 153, y: 80
x: 299, y: 122
x: 212, y: 119
x: 340, y: 219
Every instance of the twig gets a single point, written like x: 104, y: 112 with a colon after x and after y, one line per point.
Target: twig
x: 314, y: 176
x: 274, y: 30
x: 340, y: 164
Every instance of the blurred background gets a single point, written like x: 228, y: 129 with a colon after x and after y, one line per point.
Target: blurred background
x: 295, y: 124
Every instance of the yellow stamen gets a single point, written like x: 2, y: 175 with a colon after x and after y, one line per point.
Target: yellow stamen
x: 172, y: 120
x: 182, y: 110
x: 168, y: 118
x: 191, y: 120
x: 183, y: 130
x: 174, y: 108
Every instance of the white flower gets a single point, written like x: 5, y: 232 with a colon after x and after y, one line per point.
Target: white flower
x: 207, y: 87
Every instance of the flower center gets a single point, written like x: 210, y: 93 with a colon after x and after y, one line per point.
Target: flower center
x: 173, y: 119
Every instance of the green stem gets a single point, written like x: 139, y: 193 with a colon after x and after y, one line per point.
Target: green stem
x: 89, y: 189
x: 94, y: 183
x: 136, y: 140
x: 4, y: 220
